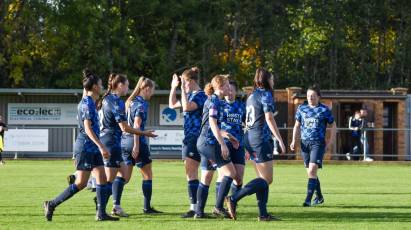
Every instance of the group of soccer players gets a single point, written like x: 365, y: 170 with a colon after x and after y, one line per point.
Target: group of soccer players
x: 218, y: 131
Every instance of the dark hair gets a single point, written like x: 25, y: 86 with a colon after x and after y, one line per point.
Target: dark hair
x: 113, y: 81
x: 191, y: 74
x: 89, y: 79
x: 316, y: 89
x: 233, y: 83
x: 261, y: 79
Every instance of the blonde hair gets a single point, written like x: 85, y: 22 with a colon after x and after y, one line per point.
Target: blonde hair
x: 142, y: 83
x: 218, y: 80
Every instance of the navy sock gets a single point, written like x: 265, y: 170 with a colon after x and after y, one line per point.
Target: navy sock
x: 118, y: 186
x: 65, y: 195
x: 318, y: 189
x: 223, y: 191
x: 262, y: 198
x: 147, y: 187
x: 311, y: 185
x: 101, y: 193
x: 202, y: 195
x: 235, y: 188
x: 217, y: 188
x: 252, y: 187
x: 109, y: 190
x: 192, y: 190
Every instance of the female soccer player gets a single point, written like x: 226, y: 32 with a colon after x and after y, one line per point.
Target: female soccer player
x: 113, y: 122
x: 89, y: 152
x: 134, y: 148
x: 312, y: 118
x: 192, y: 101
x: 212, y: 147
x: 233, y: 118
x: 260, y: 125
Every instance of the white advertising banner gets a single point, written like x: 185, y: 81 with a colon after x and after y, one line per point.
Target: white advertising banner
x: 167, y: 140
x: 170, y: 116
x: 26, y: 140
x: 41, y: 114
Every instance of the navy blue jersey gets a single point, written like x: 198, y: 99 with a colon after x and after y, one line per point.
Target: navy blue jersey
x: 313, y: 121
x: 354, y: 122
x: 86, y: 110
x: 259, y: 102
x: 138, y: 108
x: 192, y: 119
x: 112, y: 112
x: 214, y: 108
x: 233, y: 117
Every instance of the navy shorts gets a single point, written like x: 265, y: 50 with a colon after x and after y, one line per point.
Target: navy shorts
x: 313, y: 152
x: 237, y: 155
x: 189, y: 150
x: 144, y: 156
x: 114, y: 149
x: 263, y: 152
x: 88, y: 161
x: 211, y: 156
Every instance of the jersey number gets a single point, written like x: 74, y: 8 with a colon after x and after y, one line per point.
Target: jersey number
x: 100, y: 118
x: 250, y: 116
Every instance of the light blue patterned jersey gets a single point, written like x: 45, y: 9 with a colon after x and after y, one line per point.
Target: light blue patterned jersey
x: 313, y: 121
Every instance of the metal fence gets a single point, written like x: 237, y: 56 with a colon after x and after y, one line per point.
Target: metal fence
x: 374, y: 144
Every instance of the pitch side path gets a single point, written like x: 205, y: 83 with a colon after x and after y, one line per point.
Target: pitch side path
x: 375, y: 195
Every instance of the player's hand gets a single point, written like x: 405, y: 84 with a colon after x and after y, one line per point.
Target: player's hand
x: 149, y: 133
x: 283, y: 148
x: 175, y: 82
x: 234, y: 141
x: 182, y: 84
x: 104, y: 152
x: 247, y: 156
x: 135, y: 152
x: 292, y: 145
x: 224, y: 151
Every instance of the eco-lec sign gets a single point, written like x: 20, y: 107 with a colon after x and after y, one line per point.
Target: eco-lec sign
x: 41, y: 114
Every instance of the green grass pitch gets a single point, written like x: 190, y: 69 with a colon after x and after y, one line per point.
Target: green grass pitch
x: 362, y: 196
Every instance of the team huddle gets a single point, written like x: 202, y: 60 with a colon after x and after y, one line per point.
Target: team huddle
x: 220, y: 133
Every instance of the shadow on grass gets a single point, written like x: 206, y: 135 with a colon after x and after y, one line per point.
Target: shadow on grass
x: 342, y: 216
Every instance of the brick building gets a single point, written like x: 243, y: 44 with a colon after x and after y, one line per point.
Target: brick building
x: 386, y: 109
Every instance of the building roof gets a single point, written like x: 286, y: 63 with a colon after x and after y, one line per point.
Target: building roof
x: 75, y: 92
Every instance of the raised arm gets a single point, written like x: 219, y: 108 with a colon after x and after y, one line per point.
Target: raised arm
x: 173, y: 102
x: 188, y: 106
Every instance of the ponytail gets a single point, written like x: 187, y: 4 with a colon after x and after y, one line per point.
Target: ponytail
x: 191, y: 74
x: 89, y: 80
x: 142, y: 83
x: 209, y: 89
x: 113, y: 80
